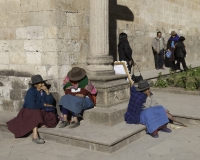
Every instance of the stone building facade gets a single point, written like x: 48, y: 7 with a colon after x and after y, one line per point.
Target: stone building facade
x: 48, y: 37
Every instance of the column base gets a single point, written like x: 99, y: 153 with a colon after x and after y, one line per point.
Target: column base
x: 112, y: 90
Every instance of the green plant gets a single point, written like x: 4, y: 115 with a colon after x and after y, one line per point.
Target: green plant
x: 161, y: 81
x: 190, y: 79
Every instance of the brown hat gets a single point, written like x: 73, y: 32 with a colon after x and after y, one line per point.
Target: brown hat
x: 173, y: 33
x: 76, y: 74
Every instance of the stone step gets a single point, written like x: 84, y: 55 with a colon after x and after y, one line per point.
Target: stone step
x: 93, y: 137
x: 106, y: 116
x: 88, y: 136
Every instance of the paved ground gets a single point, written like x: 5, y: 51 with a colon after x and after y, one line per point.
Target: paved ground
x: 154, y: 73
x: 181, y: 144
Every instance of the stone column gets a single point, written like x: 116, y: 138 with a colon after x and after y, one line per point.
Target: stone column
x: 112, y: 89
x: 98, y: 60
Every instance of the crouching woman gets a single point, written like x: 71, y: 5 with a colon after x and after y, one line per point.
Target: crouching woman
x: 141, y: 110
x: 80, y: 95
x: 34, y: 112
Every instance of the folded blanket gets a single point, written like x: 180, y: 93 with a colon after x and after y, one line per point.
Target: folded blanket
x: 153, y: 118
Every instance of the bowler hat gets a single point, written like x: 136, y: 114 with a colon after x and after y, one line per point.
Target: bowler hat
x: 173, y: 33
x: 76, y: 74
x: 181, y: 38
x: 143, y: 85
x: 36, y: 79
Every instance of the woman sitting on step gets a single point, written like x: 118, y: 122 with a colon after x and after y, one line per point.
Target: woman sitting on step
x: 79, y: 96
x: 38, y: 110
x: 142, y: 109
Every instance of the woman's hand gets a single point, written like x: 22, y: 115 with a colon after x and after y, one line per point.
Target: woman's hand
x: 44, y: 88
x: 130, y: 63
x: 148, y: 93
x: 80, y: 95
x: 48, y: 105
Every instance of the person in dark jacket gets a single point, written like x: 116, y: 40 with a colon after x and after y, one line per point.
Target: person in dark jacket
x: 125, y: 51
x: 180, y: 53
x: 33, y: 115
x: 171, y: 44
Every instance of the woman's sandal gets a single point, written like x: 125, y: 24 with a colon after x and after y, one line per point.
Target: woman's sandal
x: 38, y: 140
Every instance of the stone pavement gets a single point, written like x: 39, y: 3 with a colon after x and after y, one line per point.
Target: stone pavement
x: 181, y: 144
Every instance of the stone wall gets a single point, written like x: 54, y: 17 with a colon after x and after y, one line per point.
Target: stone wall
x: 141, y: 19
x: 48, y: 37
x: 44, y: 37
x: 13, y: 90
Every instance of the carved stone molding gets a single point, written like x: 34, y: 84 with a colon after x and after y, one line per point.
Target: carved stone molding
x: 99, y: 60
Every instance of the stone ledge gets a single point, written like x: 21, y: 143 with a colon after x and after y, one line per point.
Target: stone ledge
x: 88, y: 136
x: 94, y: 137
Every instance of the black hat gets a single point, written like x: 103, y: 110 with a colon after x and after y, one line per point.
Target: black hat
x: 76, y: 74
x: 143, y: 85
x: 181, y: 38
x: 36, y: 79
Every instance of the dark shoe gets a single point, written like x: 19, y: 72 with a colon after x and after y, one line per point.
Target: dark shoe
x: 155, y: 135
x: 167, y: 130
x: 63, y: 124
x: 74, y: 124
x: 162, y: 68
x: 157, y: 68
x: 38, y: 140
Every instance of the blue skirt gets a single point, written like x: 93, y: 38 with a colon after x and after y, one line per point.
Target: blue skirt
x: 153, y: 118
x: 75, y: 104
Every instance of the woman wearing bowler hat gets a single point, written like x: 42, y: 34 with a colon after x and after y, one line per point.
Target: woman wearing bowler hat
x: 34, y: 113
x: 142, y: 109
x: 80, y: 95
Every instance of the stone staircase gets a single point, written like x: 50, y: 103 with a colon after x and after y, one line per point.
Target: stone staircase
x: 89, y: 136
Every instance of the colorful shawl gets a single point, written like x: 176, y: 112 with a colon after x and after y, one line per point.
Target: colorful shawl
x: 84, y: 83
x: 134, y: 109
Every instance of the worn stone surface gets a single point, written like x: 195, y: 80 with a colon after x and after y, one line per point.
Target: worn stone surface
x: 182, y: 144
x: 106, y: 117
x: 112, y: 90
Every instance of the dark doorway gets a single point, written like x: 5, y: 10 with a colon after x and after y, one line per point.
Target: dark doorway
x: 116, y: 12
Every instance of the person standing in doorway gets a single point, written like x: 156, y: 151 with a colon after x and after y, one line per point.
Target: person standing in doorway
x: 125, y: 51
x: 158, y: 47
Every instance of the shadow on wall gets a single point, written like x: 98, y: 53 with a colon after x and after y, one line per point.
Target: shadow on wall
x: 116, y: 12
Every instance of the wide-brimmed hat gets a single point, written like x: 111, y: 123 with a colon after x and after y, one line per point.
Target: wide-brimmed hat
x: 36, y: 79
x: 76, y: 74
x: 143, y: 85
x: 181, y: 38
x: 173, y: 33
